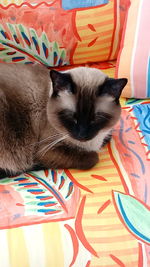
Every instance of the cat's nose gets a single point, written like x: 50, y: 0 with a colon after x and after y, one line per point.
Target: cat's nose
x: 82, y: 134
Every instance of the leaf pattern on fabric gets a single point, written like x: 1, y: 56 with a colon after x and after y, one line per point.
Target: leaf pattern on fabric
x: 134, y: 214
x: 45, y: 195
x: 20, y: 44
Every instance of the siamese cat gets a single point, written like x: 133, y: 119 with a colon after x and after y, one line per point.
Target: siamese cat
x: 51, y: 119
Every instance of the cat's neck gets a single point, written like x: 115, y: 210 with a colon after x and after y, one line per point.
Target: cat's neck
x: 92, y: 145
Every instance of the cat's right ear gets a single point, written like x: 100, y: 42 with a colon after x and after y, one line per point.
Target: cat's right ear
x: 113, y: 87
x: 61, y: 82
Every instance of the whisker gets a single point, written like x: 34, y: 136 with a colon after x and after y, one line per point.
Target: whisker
x: 47, y: 138
x: 51, y: 145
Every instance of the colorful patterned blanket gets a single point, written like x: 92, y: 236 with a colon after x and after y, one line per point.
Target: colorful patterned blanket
x: 99, y: 217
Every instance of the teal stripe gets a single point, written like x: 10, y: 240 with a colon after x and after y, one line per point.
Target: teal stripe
x: 148, y: 80
x: 129, y: 223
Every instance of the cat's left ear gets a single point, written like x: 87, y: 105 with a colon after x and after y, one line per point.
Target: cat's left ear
x: 61, y: 82
x: 113, y: 87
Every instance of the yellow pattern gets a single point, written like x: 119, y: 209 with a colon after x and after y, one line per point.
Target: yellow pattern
x: 117, y: 31
x: 102, y: 20
x: 103, y: 241
x: 110, y: 72
x: 53, y: 244
x: 8, y: 2
x: 17, y: 248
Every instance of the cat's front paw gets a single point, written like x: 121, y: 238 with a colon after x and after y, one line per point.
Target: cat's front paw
x: 88, y: 160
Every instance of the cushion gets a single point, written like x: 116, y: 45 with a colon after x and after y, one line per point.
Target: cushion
x: 134, y: 57
x: 98, y: 217
x: 59, y: 33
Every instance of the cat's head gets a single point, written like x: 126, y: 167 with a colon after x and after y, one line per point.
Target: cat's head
x: 83, y: 102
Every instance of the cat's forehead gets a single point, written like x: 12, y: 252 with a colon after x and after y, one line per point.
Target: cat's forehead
x: 86, y: 82
x: 87, y: 78
x: 85, y: 101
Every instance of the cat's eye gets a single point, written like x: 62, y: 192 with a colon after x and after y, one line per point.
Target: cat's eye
x: 102, y: 116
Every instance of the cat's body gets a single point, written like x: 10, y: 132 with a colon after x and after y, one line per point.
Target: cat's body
x: 54, y: 123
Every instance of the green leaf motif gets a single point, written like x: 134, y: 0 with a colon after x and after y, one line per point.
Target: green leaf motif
x: 134, y: 214
x: 41, y: 193
x: 21, y: 44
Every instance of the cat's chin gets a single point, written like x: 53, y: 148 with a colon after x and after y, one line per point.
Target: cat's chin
x: 93, y: 144
x: 81, y: 140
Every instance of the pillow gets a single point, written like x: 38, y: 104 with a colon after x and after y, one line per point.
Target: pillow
x: 134, y: 57
x: 57, y: 33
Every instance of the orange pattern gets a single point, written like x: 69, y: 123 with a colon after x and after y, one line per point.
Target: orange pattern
x: 99, y: 228
x: 105, y: 24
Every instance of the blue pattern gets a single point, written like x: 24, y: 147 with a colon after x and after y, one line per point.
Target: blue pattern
x: 142, y: 113
x: 67, y: 4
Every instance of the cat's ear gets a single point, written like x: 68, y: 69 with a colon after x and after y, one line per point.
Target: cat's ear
x: 61, y: 82
x: 113, y: 87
